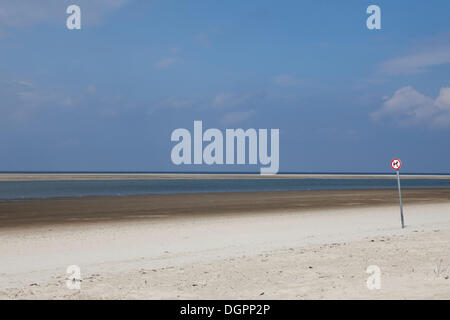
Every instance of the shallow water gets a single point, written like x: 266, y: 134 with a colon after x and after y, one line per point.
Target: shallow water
x: 50, y: 189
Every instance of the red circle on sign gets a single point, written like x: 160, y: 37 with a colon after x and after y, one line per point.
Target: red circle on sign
x: 396, y: 164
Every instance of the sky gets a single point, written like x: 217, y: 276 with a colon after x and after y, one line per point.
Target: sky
x: 107, y: 97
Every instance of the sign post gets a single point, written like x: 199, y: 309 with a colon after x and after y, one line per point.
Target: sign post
x: 396, y: 164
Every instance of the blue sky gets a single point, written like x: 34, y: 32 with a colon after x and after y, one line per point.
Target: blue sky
x: 108, y: 96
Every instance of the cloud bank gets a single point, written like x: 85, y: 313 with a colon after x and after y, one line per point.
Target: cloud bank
x: 410, y: 107
x: 417, y: 62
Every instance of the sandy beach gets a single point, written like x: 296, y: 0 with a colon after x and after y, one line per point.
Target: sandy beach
x: 238, y: 245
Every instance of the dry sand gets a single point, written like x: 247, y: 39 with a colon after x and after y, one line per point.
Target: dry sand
x: 297, y: 253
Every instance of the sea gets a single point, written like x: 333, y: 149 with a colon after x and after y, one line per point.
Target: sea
x: 75, y: 188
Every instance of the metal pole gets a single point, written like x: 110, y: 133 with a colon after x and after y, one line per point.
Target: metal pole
x: 400, y: 198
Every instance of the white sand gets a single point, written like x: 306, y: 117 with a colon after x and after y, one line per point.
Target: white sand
x: 321, y: 254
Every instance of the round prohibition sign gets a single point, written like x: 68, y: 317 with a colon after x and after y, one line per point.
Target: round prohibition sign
x: 396, y: 164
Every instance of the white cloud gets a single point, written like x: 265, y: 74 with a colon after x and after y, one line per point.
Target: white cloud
x: 166, y: 62
x: 25, y: 13
x: 203, y: 39
x: 21, y: 100
x: 408, y: 106
x: 443, y: 101
x: 91, y: 89
x: 223, y: 98
x: 286, y: 80
x: 23, y: 83
x: 231, y: 100
x: 174, y: 103
x: 418, y: 62
x: 236, y: 117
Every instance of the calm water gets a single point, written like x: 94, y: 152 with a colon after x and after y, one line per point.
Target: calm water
x: 50, y: 189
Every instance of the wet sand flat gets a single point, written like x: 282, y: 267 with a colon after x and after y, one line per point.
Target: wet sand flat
x: 26, y: 213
